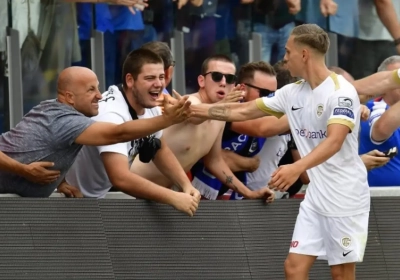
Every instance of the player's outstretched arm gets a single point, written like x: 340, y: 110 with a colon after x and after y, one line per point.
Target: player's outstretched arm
x: 102, y: 133
x: 378, y: 83
x: 231, y: 112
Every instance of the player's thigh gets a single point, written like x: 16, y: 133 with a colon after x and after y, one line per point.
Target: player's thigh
x: 307, y: 236
x: 346, y: 238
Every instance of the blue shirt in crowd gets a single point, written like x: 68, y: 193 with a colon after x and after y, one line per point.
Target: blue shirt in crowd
x: 123, y: 19
x: 85, y: 21
x: 387, y: 175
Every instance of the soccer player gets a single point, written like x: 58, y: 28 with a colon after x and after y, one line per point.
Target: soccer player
x: 323, y: 110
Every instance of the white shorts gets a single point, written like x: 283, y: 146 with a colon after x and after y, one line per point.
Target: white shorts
x: 338, y: 240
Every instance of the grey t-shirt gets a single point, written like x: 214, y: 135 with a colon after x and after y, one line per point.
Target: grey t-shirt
x: 46, y: 133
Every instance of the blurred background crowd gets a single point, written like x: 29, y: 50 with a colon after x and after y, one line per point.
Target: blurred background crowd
x: 54, y: 34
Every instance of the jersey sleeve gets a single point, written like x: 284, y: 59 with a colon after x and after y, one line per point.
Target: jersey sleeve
x: 275, y: 105
x: 344, y: 108
x: 377, y: 110
x: 120, y: 148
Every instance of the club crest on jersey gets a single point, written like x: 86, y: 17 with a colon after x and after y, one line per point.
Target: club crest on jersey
x: 345, y: 242
x: 320, y: 109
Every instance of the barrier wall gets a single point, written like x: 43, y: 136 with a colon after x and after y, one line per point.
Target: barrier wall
x: 59, y: 238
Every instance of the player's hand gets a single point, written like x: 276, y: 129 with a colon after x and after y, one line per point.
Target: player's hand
x: 374, y: 159
x: 236, y: 95
x: 294, y: 6
x: 185, y: 203
x: 328, y: 7
x: 364, y: 112
x: 192, y: 191
x: 284, y: 177
x: 39, y: 172
x: 264, y: 193
x: 69, y: 191
x: 176, y: 109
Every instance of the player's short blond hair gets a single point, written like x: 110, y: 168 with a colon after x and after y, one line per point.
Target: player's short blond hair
x: 312, y: 36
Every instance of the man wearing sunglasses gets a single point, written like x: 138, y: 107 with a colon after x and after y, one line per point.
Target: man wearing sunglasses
x: 260, y: 80
x: 197, y: 139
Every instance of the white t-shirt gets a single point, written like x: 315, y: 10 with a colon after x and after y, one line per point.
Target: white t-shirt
x: 338, y: 187
x: 88, y: 172
x: 371, y: 27
x: 270, y: 154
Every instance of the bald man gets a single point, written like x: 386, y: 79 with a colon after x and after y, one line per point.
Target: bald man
x: 55, y: 130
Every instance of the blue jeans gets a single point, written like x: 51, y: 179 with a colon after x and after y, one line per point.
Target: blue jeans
x: 271, y: 37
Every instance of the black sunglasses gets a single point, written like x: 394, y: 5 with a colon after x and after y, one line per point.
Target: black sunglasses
x: 217, y: 77
x: 263, y: 91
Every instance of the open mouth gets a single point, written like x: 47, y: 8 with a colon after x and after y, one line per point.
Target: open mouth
x: 154, y: 94
x: 220, y: 94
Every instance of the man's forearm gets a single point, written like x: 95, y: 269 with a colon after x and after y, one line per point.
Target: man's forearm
x: 296, y: 157
x: 325, y: 150
x: 378, y: 83
x: 221, y: 171
x: 387, y: 14
x: 236, y: 162
x: 222, y: 112
x: 139, y: 187
x: 169, y: 165
x: 137, y: 129
x: 10, y: 165
x: 389, y: 122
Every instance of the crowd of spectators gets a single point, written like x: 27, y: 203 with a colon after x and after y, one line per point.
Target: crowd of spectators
x: 56, y: 34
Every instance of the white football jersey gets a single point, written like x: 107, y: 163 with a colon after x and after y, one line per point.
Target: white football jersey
x: 88, y: 172
x: 338, y: 187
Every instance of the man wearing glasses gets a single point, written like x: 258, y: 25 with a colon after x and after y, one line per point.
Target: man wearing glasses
x: 198, y: 139
x: 239, y: 147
